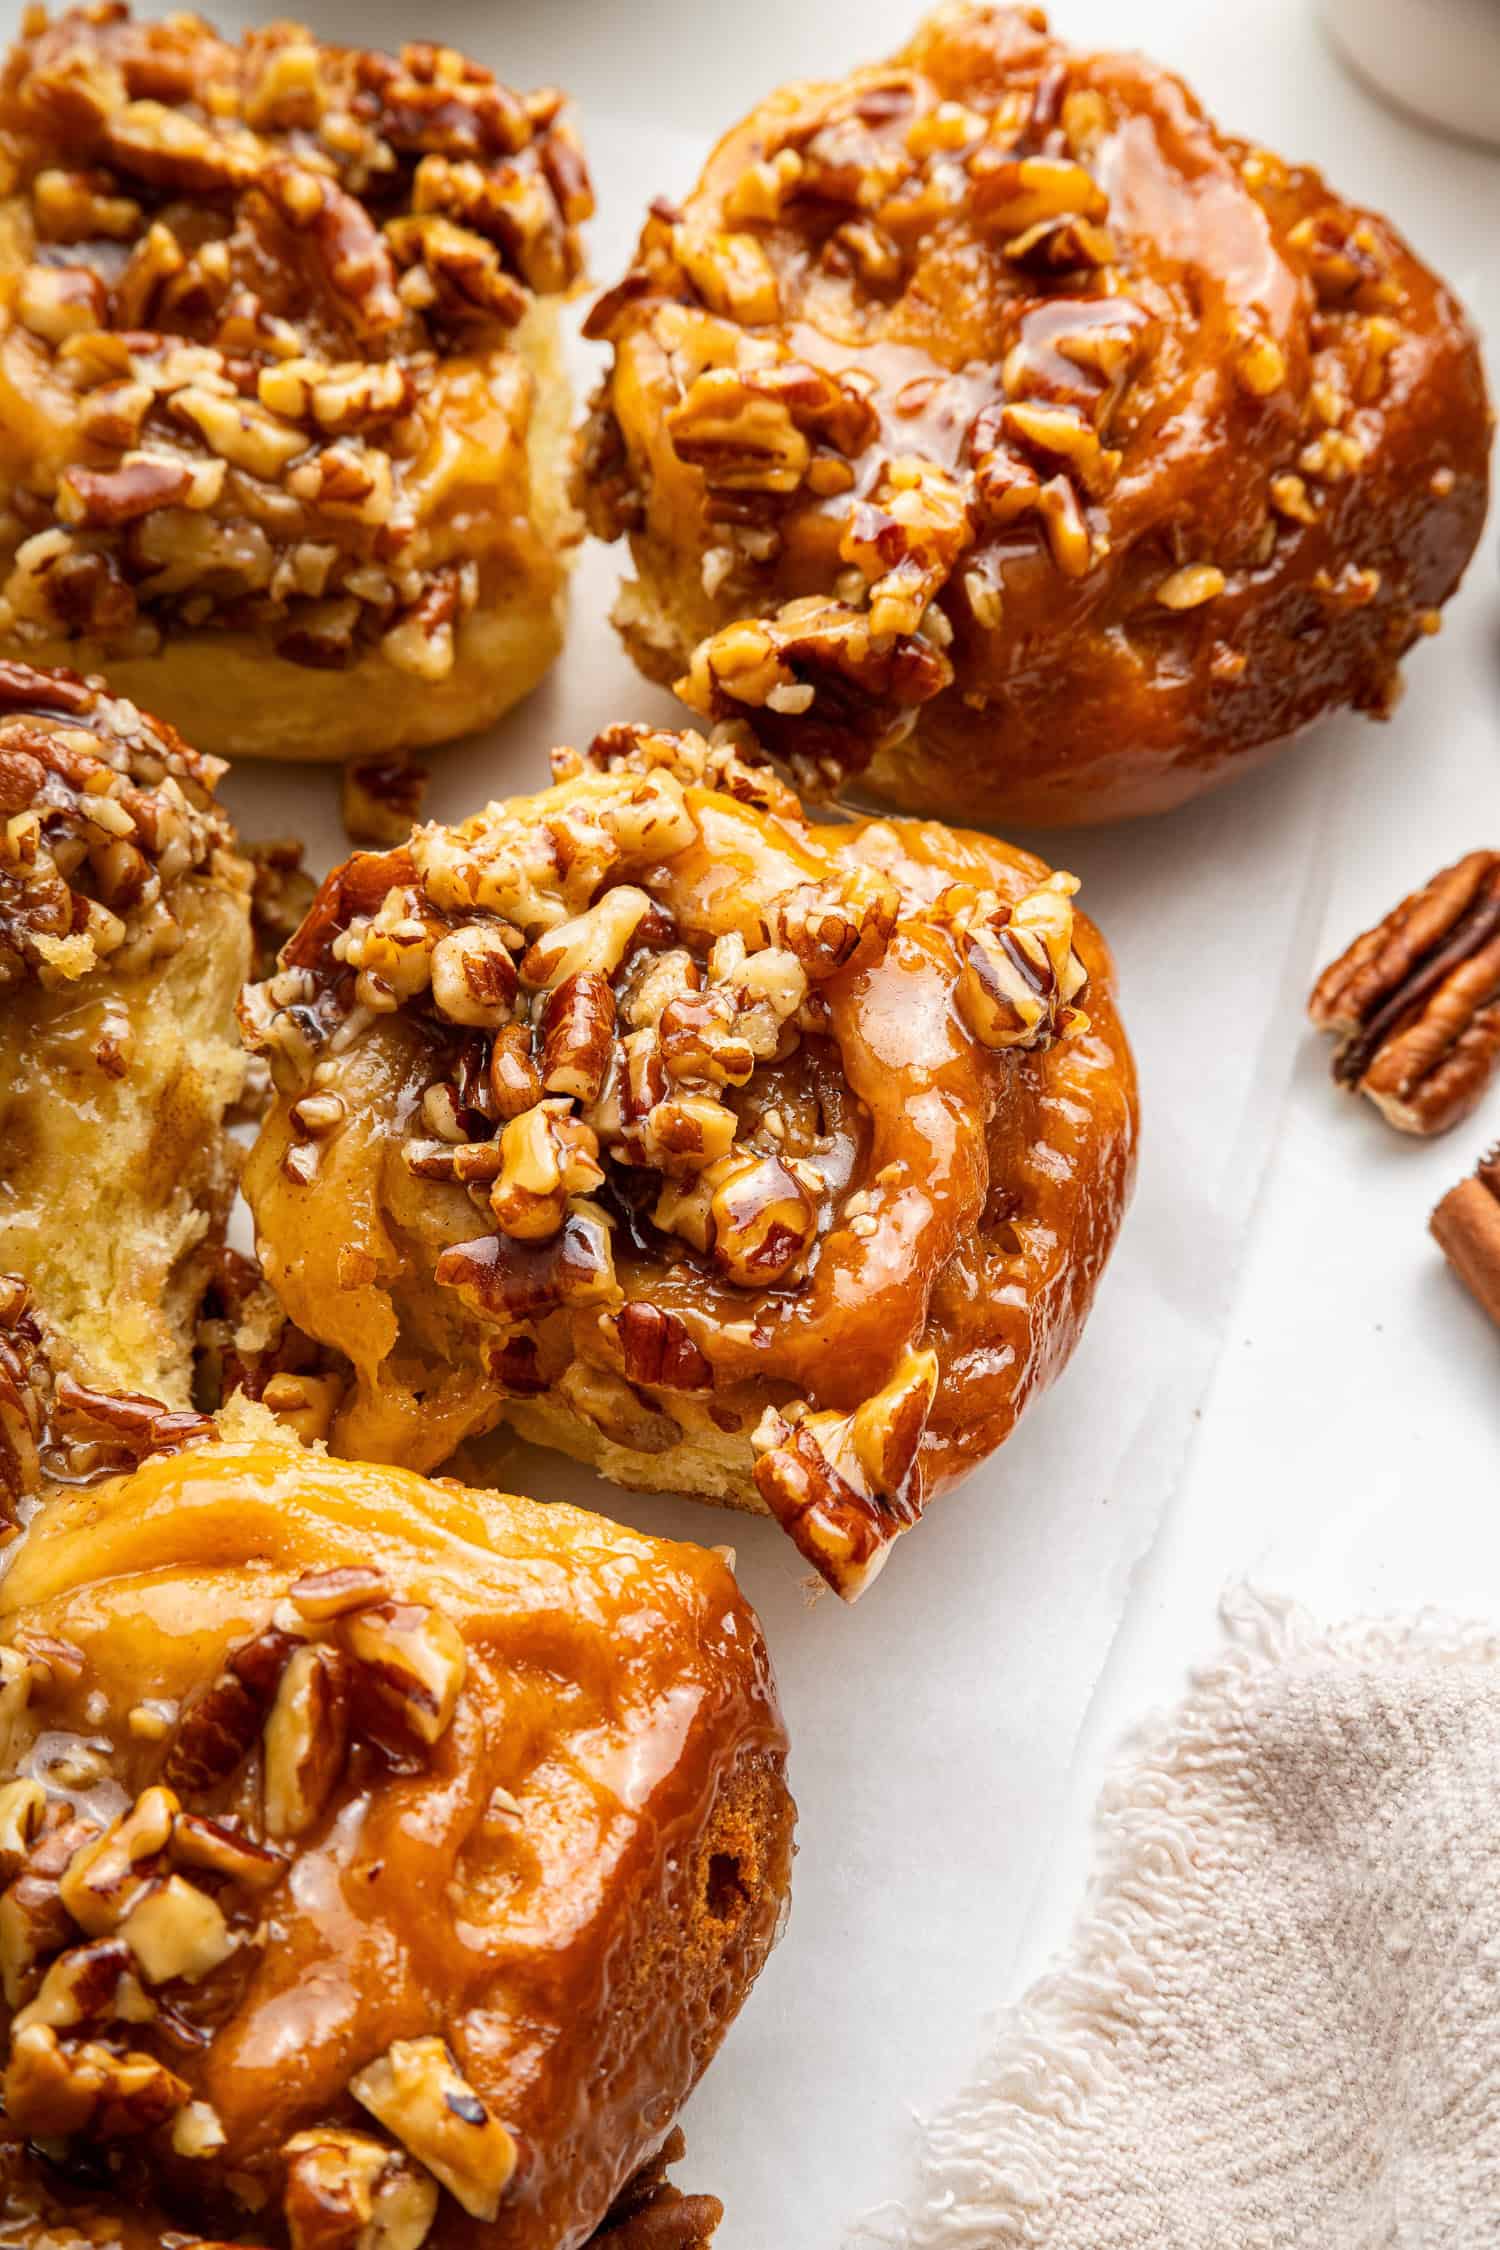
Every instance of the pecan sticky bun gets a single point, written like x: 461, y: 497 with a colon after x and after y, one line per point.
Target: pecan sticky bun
x: 991, y: 431
x: 125, y: 934
x: 285, y: 420
x: 741, y: 1157
x: 370, y: 1877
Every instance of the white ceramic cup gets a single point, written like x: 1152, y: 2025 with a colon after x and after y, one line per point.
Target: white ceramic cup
x: 1438, y: 58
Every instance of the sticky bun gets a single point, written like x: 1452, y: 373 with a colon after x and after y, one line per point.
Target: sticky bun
x: 769, y: 1162
x: 284, y: 418
x: 990, y: 430
x: 125, y: 935
x: 382, y: 1865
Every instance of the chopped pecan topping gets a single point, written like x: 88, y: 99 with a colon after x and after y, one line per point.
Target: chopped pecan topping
x: 257, y: 275
x: 847, y: 1485
x: 103, y: 812
x: 623, y: 1003
x: 1414, y: 1003
x: 658, y: 1348
x: 306, y: 1740
x: 417, y: 2092
x: 1020, y: 975
x: 25, y: 1384
x: 414, y: 1660
x: 57, y: 2092
x: 346, y: 2191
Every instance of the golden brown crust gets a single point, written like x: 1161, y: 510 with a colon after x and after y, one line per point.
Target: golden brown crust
x: 1130, y: 447
x: 426, y: 1865
x: 763, y: 1161
x: 278, y: 364
x: 124, y: 938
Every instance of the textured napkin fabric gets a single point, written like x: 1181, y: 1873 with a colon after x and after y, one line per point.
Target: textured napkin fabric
x: 1278, y: 2024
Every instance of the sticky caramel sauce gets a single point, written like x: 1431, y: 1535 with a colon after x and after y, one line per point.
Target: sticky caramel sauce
x: 508, y: 1888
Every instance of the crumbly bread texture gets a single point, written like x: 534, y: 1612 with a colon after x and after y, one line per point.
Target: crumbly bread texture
x: 995, y: 433
x: 124, y: 940
x: 283, y: 417
x: 403, y: 1898
x: 769, y: 1162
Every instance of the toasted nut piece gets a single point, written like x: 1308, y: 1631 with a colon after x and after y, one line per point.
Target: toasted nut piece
x: 197, y: 2131
x: 760, y: 1218
x: 16, y: 1677
x: 1191, y: 586
x: 306, y: 1739
x: 700, y: 1039
x: 474, y: 976
x: 1013, y: 194
x: 514, y: 1281
x: 346, y: 2191
x: 689, y: 1133
x: 847, y: 1486
x: 220, y: 1850
x: 1415, y: 1002
x: 842, y: 924
x: 57, y: 2093
x: 56, y: 302
x: 417, y: 2092
x: 658, y: 1349
x: 415, y: 1659
x: 305, y: 1403
x: 214, y: 1734
x: 730, y: 272
x: 89, y: 1984
x: 594, y: 941
x: 22, y: 1804
x: 33, y: 1920
x: 578, y: 1030
x: 1020, y: 975
x: 102, y: 1880
x: 239, y: 432
x: 547, y: 1156
x: 515, y: 1081
x: 176, y: 1930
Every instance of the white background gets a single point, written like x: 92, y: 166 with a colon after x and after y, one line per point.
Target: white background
x: 1280, y: 1380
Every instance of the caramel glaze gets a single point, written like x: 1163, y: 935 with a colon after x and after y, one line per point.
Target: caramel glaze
x: 568, y: 1936
x: 962, y: 1197
x: 1257, y: 305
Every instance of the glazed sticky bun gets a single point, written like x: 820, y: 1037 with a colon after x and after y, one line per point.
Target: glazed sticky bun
x: 994, y: 433
x: 770, y: 1162
x: 381, y: 1864
x: 284, y: 419
x: 125, y: 935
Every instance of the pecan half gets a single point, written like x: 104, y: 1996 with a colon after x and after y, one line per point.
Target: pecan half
x: 1415, y: 1002
x: 659, y: 1348
x: 1466, y: 1228
x: 845, y: 1486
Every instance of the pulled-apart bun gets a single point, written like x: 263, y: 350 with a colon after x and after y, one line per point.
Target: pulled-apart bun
x: 1062, y: 453
x: 771, y: 1162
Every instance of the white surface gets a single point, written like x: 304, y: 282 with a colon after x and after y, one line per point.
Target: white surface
x: 1437, y: 58
x: 1279, y: 1379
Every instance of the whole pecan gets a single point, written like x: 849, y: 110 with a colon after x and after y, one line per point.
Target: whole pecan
x: 1415, y: 1002
x: 1466, y: 1228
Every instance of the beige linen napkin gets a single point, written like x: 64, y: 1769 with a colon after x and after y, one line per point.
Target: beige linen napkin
x: 1279, y: 2021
